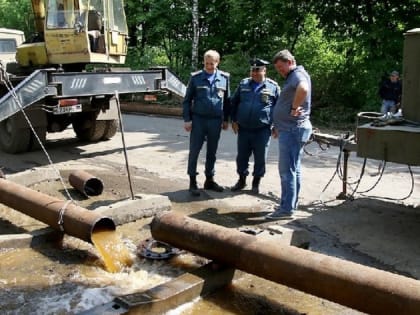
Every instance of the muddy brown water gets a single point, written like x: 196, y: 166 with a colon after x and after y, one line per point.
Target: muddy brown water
x: 68, y: 277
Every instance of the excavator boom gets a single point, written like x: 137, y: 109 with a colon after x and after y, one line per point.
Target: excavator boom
x: 38, y: 8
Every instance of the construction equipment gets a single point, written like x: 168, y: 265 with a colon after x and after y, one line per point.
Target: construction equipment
x: 74, y: 33
x: 54, y: 79
x: 396, y: 140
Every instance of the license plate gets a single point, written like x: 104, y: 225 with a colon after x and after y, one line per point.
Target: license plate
x: 59, y: 110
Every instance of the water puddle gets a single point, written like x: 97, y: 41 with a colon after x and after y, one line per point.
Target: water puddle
x: 71, y: 279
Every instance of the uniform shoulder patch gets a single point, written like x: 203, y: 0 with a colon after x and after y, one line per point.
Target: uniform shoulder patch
x: 224, y: 73
x: 272, y: 81
x: 196, y: 73
x: 245, y: 81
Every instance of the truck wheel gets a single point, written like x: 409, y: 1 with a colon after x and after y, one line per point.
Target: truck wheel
x: 111, y: 129
x: 89, y: 130
x: 42, y: 135
x: 12, y: 138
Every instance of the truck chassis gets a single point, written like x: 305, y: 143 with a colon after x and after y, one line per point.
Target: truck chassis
x: 52, y: 100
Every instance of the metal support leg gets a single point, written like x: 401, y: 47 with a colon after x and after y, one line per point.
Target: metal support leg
x: 343, y: 195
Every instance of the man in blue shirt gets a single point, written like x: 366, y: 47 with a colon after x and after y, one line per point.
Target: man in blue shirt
x: 293, y: 129
x: 252, y: 105
x: 205, y: 112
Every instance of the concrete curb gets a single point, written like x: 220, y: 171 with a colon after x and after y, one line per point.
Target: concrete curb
x: 33, y: 239
x: 151, y: 109
x: 145, y: 205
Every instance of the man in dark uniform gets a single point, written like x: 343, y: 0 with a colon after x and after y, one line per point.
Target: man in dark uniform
x: 206, y: 112
x: 252, y: 105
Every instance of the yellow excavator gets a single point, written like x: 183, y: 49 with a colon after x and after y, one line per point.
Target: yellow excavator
x: 73, y: 33
x: 50, y: 86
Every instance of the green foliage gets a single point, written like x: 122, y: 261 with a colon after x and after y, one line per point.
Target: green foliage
x: 334, y: 117
x: 238, y: 67
x: 148, y: 57
x: 323, y: 60
x: 17, y: 15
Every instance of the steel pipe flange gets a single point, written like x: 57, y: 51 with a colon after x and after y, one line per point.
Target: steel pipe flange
x: 153, y: 249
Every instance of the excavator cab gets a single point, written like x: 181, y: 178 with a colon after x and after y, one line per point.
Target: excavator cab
x: 76, y: 32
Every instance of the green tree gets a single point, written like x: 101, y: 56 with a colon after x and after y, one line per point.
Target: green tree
x: 17, y: 15
x: 164, y: 24
x: 370, y: 35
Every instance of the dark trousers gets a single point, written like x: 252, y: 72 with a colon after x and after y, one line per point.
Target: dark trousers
x: 204, y: 129
x: 252, y: 141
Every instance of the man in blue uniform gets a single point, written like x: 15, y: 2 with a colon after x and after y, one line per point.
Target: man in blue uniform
x: 252, y: 105
x: 206, y: 111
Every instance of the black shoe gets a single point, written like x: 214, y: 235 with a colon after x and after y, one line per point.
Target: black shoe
x: 210, y: 184
x: 194, y: 191
x: 256, y: 185
x: 241, y: 183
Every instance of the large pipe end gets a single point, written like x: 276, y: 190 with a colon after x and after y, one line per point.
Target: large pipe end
x: 102, y: 224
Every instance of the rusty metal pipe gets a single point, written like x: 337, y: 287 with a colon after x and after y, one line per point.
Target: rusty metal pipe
x: 77, y: 221
x: 86, y: 183
x: 362, y: 288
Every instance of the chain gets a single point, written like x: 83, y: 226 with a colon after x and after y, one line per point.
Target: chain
x: 61, y: 215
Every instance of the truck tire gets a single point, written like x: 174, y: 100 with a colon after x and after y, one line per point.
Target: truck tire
x: 89, y: 129
x: 42, y: 135
x: 111, y: 129
x: 12, y: 138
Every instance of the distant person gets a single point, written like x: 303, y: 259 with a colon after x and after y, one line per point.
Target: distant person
x: 390, y: 92
x: 252, y: 105
x: 61, y: 19
x: 293, y: 128
x: 205, y: 112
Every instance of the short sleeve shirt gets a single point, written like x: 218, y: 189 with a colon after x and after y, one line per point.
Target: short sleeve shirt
x: 282, y: 118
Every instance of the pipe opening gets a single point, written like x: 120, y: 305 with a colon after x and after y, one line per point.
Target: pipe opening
x: 93, y: 187
x: 103, y: 224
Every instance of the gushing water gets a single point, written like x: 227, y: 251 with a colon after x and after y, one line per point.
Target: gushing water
x: 114, y: 253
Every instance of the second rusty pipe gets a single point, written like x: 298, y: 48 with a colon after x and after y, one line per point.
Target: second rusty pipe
x: 362, y: 288
x: 77, y: 221
x: 86, y: 183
